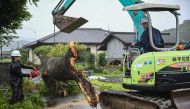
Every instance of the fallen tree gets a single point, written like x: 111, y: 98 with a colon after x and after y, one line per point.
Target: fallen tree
x: 63, y: 69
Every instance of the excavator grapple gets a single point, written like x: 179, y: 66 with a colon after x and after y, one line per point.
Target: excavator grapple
x: 68, y: 24
x: 65, y: 23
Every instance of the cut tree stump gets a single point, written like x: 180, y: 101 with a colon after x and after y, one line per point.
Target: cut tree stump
x: 63, y: 69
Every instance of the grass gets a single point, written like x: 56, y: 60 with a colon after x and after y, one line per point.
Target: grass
x: 107, y: 86
x: 33, y: 100
x: 5, y: 60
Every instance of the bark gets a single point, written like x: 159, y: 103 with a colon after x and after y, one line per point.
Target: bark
x: 63, y: 69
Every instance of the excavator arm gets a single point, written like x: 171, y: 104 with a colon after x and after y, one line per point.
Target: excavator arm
x: 69, y: 24
x: 136, y: 16
x: 65, y: 23
x: 62, y: 7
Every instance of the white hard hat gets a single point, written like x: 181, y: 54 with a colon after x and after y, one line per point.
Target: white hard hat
x: 144, y: 20
x: 16, y: 53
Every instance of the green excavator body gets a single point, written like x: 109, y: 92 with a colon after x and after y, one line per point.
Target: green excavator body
x: 159, y: 71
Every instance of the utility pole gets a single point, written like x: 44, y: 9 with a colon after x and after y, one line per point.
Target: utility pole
x: 1, y: 49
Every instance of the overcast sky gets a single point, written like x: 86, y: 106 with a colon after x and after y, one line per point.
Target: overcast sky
x: 105, y: 14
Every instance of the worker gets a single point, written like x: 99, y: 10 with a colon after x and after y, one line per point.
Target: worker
x: 16, y: 77
x: 145, y: 41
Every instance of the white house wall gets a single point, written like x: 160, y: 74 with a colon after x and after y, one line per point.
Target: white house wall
x: 94, y: 49
x: 33, y: 57
x: 30, y: 55
x: 36, y: 59
x: 115, y: 49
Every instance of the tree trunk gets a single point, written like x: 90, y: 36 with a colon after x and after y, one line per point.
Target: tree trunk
x: 63, y: 68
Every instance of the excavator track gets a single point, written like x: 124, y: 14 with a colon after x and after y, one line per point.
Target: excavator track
x: 134, y: 100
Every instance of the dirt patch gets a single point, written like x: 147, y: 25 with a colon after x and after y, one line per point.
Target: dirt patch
x: 71, y: 102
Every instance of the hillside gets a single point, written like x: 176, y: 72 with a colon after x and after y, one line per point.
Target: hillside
x: 184, y: 30
x: 15, y: 44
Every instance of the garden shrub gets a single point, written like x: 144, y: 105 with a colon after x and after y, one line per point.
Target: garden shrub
x: 102, y: 60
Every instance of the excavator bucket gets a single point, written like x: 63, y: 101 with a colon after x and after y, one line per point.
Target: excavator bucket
x: 68, y: 24
x: 181, y: 98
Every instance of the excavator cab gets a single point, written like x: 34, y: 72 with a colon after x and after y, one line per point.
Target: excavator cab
x: 65, y: 23
x: 149, y: 7
x: 134, y: 52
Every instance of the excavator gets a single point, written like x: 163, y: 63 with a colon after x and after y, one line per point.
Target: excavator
x: 153, y: 80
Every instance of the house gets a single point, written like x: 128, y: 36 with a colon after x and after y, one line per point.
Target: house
x: 97, y: 40
x: 92, y: 37
x: 117, y: 42
x: 13, y: 45
x: 6, y: 54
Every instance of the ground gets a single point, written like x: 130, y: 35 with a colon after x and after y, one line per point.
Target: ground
x: 113, y: 82
x: 71, y: 102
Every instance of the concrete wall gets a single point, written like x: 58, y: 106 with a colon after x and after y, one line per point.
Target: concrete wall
x: 115, y: 49
x: 4, y: 73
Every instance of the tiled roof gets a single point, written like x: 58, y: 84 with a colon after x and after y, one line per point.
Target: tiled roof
x: 81, y: 35
x: 94, y: 36
x: 129, y: 37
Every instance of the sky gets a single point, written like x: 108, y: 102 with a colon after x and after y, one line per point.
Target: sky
x: 105, y: 14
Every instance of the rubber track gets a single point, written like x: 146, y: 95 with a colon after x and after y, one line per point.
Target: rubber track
x: 134, y: 100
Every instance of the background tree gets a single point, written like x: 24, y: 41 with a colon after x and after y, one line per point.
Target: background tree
x: 57, y: 50
x: 25, y: 55
x: 90, y: 60
x: 12, y: 14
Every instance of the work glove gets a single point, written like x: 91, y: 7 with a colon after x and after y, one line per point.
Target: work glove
x: 34, y: 74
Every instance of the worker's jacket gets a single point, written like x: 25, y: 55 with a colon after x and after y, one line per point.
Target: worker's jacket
x: 16, y: 72
x: 145, y: 40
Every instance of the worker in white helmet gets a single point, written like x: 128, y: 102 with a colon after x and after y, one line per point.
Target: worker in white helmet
x: 145, y: 41
x: 16, y: 77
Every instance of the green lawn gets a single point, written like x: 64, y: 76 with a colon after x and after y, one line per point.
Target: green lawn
x: 107, y: 86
